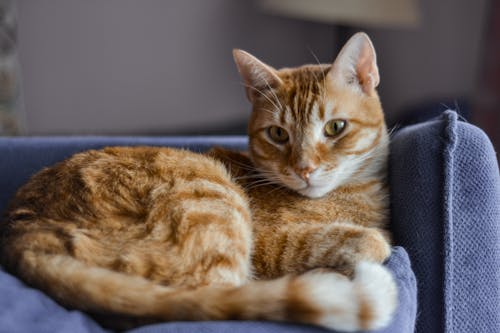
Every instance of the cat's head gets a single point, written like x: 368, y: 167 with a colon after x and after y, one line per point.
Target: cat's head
x: 316, y: 127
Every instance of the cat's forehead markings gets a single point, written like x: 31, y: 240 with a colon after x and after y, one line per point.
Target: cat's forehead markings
x: 321, y: 111
x: 287, y: 116
x: 283, y: 114
x: 330, y: 107
x: 306, y: 101
x: 305, y: 95
x: 316, y: 124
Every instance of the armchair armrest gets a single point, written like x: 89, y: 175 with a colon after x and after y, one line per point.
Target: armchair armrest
x: 445, y: 192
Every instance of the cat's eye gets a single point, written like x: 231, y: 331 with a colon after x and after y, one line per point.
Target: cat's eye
x: 334, y: 127
x: 277, y: 134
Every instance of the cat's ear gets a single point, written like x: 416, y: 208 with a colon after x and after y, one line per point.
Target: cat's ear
x: 257, y: 76
x: 356, y: 64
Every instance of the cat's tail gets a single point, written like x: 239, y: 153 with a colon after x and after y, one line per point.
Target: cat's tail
x: 318, y: 297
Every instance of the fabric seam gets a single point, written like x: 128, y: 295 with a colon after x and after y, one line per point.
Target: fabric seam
x: 450, y: 143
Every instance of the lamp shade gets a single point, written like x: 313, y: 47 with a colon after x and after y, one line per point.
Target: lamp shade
x: 363, y: 13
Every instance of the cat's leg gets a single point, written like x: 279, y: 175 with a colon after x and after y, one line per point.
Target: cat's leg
x: 214, y: 245
x: 207, y: 222
x: 298, y: 247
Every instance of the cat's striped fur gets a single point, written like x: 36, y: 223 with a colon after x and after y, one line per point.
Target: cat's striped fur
x: 152, y: 234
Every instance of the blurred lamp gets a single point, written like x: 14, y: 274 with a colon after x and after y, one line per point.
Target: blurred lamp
x: 374, y: 13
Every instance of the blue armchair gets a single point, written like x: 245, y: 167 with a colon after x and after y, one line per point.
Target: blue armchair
x: 445, y: 212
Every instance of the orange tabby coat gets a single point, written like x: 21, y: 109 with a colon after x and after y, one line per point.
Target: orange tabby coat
x: 153, y: 234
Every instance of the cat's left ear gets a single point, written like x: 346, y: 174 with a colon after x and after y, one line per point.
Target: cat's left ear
x: 356, y: 64
x: 258, y: 76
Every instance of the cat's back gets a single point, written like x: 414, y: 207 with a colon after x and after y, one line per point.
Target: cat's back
x: 113, y: 178
x: 129, y: 209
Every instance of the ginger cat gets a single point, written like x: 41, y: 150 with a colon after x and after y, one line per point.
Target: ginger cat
x: 150, y: 234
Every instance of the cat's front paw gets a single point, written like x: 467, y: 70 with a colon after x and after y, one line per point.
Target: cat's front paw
x: 371, y: 246
x: 367, y: 245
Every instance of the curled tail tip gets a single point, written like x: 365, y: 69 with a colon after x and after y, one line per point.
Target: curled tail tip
x: 365, y: 303
x: 378, y: 294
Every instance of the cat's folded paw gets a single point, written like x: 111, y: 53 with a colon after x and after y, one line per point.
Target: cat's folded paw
x: 370, y: 246
x: 367, y: 245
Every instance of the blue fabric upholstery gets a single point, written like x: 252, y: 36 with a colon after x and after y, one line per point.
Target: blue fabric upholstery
x: 445, y: 193
x: 23, y: 309
x: 443, y: 214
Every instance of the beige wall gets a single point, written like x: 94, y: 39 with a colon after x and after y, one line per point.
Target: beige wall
x: 439, y: 59
x: 157, y: 66
x: 148, y: 66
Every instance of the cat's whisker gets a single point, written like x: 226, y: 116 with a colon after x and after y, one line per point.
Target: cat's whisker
x: 322, y: 90
x: 272, y: 112
x: 268, y: 176
x: 259, y: 173
x: 251, y: 179
x: 322, y: 72
x: 274, y: 94
x: 274, y: 185
x: 393, y: 129
x: 241, y: 165
x: 248, y: 177
x: 261, y: 181
x: 265, y: 173
x: 277, y: 188
x: 358, y: 160
x: 262, y: 93
x: 245, y: 167
x: 254, y: 186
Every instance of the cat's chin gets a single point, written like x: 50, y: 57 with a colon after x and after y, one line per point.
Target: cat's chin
x: 313, y: 192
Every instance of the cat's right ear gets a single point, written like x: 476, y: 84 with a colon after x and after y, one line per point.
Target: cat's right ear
x: 356, y: 64
x: 257, y: 76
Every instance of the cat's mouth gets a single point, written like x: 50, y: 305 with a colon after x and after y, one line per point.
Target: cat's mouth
x: 309, y: 188
x: 312, y: 191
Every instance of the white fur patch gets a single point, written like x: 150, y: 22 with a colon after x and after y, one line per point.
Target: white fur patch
x: 341, y: 299
x: 365, y: 138
x: 336, y: 297
x: 377, y: 287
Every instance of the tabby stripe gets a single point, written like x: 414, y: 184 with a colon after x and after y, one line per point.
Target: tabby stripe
x: 281, y: 245
x: 311, y: 101
x: 374, y: 143
x: 303, y: 250
x: 209, y: 233
x: 341, y: 232
x: 365, y: 123
x: 366, y: 312
x: 321, y: 112
x: 204, y: 188
x: 282, y: 115
x: 206, y: 205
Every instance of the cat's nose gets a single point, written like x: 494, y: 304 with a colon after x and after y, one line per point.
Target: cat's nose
x: 305, y: 173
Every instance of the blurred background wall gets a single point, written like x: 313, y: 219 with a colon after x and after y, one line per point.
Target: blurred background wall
x: 149, y: 66
x: 437, y: 62
x: 165, y: 67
